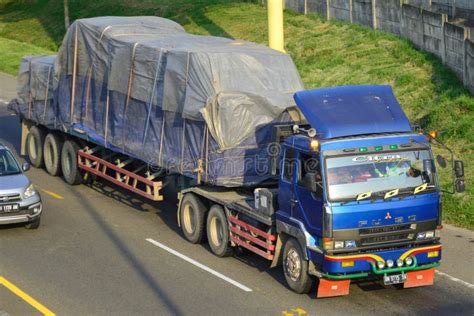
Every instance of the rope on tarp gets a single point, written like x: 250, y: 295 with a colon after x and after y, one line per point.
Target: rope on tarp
x: 46, y: 95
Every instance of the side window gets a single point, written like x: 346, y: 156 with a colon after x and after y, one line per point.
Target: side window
x: 309, y: 164
x: 289, y: 165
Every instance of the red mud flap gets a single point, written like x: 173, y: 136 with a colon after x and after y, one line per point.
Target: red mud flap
x: 329, y: 288
x: 419, y: 278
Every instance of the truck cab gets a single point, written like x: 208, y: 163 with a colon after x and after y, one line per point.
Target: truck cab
x: 359, y: 193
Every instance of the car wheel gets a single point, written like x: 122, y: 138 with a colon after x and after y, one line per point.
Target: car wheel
x: 33, y: 224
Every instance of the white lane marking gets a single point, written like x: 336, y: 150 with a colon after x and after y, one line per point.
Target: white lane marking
x: 455, y: 279
x: 199, y: 265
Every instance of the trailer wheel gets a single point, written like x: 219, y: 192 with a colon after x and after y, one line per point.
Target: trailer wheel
x: 295, y: 267
x: 34, y: 146
x: 53, y: 144
x: 218, y: 232
x: 192, y: 214
x: 71, y: 172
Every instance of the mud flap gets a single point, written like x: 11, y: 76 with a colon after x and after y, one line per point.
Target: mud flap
x: 329, y: 288
x: 419, y: 278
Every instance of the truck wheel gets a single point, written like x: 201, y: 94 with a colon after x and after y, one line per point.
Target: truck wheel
x: 192, y: 214
x: 53, y: 144
x: 34, y: 146
x: 295, y: 267
x: 71, y: 172
x: 218, y: 232
x: 33, y: 224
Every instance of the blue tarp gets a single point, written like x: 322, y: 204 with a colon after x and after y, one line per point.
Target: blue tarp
x: 146, y: 88
x: 352, y: 110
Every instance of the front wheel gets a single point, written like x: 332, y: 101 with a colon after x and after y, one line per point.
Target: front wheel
x: 33, y: 224
x: 295, y: 267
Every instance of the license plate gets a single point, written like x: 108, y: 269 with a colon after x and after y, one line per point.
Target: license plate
x: 9, y: 208
x: 394, y: 279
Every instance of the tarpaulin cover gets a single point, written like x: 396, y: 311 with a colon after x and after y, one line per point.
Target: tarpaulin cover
x: 144, y: 87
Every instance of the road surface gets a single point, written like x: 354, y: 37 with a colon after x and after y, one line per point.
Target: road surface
x: 102, y: 251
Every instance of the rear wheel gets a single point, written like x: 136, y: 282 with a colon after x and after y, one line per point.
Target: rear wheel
x: 53, y: 145
x: 192, y: 212
x: 71, y: 172
x: 218, y: 232
x: 295, y: 267
x: 34, y: 146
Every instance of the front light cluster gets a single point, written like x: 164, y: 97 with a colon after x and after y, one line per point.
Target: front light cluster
x: 29, y: 192
x: 390, y: 263
x: 345, y: 244
x: 425, y: 235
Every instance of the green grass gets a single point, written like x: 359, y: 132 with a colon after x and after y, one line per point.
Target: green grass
x: 326, y: 54
x: 12, y: 51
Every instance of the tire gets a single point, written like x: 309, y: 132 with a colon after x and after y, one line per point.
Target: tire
x: 34, y: 146
x: 33, y: 224
x: 218, y: 232
x: 295, y: 267
x: 53, y: 145
x: 191, y: 214
x: 71, y: 172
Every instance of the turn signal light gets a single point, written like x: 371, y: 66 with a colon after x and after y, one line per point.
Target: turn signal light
x: 433, y: 134
x: 314, y: 145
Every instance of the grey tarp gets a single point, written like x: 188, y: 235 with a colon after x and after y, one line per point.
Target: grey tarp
x: 146, y: 88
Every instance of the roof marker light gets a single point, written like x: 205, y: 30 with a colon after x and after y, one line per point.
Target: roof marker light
x: 363, y: 149
x: 393, y: 146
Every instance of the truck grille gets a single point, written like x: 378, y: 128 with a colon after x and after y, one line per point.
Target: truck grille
x: 385, y: 239
x: 386, y: 234
x: 383, y: 229
x: 10, y: 198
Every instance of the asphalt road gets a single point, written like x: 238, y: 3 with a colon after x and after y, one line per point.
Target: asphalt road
x: 91, y: 257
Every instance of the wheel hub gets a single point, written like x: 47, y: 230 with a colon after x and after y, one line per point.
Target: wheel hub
x: 293, y: 265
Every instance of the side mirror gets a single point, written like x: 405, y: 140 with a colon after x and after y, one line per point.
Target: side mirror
x: 25, y: 167
x: 459, y: 168
x: 309, y: 182
x: 459, y: 185
x: 441, y: 161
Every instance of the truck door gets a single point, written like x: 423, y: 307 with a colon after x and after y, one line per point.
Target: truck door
x: 310, y: 203
x: 286, y: 199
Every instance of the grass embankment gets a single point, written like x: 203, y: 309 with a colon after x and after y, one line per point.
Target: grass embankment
x: 326, y: 54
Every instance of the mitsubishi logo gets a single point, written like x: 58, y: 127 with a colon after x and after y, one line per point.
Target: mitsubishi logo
x: 388, y: 216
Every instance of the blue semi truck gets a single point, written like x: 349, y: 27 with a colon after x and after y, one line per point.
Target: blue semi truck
x: 332, y: 184
x: 357, y: 196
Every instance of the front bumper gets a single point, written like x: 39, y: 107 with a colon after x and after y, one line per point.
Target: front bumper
x: 365, y: 265
x: 30, y: 209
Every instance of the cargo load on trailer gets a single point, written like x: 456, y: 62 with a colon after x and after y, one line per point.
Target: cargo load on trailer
x: 200, y: 106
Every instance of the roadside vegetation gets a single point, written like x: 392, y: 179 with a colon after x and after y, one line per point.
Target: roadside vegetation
x: 326, y: 54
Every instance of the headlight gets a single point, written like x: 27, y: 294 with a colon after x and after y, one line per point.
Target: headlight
x: 408, y: 261
x: 350, y: 244
x: 338, y: 244
x: 390, y: 263
x: 399, y: 263
x: 380, y: 264
x: 29, y: 192
x: 425, y: 235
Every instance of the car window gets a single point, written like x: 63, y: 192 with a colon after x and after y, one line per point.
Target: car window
x: 8, y: 164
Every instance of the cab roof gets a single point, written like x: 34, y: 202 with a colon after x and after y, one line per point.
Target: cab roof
x: 352, y: 110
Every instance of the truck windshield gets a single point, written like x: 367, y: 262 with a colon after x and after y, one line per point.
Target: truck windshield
x: 369, y: 176
x: 8, y: 165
